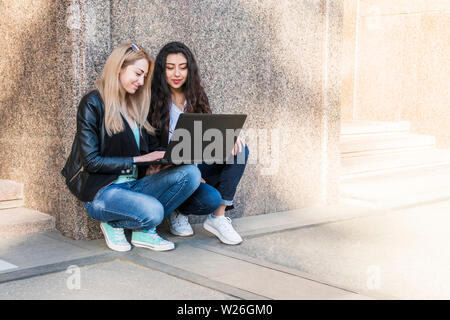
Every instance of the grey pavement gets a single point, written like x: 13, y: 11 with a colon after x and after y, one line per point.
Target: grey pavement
x: 115, y: 279
x: 334, y: 252
x: 398, y: 254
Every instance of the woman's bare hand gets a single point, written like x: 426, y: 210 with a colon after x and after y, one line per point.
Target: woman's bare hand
x: 152, y: 156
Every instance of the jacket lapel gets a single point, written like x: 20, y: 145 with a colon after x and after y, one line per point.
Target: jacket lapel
x: 130, y: 136
x: 144, y: 142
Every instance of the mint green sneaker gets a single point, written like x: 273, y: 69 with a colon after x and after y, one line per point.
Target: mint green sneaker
x: 151, y: 240
x: 115, y: 238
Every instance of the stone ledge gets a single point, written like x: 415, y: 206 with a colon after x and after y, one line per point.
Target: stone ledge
x: 20, y: 221
x: 9, y: 204
x: 10, y: 190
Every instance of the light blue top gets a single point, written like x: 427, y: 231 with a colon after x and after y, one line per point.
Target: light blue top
x: 131, y: 177
x: 174, y: 115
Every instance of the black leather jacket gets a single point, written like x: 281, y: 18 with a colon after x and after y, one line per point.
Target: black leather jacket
x: 102, y: 158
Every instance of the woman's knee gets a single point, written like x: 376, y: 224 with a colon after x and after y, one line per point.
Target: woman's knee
x: 211, y: 198
x: 192, y: 175
x: 152, y: 214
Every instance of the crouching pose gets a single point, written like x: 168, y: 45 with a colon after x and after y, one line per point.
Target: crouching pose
x: 113, y: 137
x: 176, y: 88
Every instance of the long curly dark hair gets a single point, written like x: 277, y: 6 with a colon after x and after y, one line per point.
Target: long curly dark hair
x: 196, y: 99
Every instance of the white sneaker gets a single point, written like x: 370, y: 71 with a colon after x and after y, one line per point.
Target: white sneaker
x: 179, y: 225
x: 222, y: 228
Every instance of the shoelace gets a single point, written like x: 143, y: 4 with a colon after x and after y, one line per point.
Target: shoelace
x: 180, y: 220
x: 152, y: 233
x: 228, y: 225
x: 118, y: 234
x: 149, y: 231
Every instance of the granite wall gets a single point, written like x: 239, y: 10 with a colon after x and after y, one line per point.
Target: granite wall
x: 277, y: 61
x: 30, y: 147
x: 396, y: 64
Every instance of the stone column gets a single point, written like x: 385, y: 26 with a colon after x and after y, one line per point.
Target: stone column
x: 84, y: 43
x: 331, y: 107
x: 276, y: 61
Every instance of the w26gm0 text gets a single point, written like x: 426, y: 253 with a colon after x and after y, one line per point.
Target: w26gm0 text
x: 227, y: 309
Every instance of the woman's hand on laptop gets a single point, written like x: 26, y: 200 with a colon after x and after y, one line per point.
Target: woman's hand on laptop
x: 152, y: 156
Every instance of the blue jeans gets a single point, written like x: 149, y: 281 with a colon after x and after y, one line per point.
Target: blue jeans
x: 222, y: 181
x: 143, y: 204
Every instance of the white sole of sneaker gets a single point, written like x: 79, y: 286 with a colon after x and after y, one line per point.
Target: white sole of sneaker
x: 176, y: 233
x: 113, y: 246
x: 218, y: 235
x: 147, y: 246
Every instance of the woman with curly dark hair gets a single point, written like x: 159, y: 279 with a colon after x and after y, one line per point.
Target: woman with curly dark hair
x: 176, y: 88
x: 106, y: 167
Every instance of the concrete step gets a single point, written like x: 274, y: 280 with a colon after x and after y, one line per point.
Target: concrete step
x: 370, y: 165
x: 20, y: 221
x: 399, y: 190
x: 357, y: 146
x: 11, y: 194
x: 362, y: 127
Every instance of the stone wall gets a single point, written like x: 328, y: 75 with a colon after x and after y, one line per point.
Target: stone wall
x: 401, y: 69
x: 277, y: 61
x: 30, y: 145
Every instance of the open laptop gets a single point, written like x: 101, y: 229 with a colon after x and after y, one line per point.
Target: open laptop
x: 202, y: 138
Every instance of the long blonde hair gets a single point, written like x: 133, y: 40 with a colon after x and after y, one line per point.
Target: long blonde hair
x: 109, y: 86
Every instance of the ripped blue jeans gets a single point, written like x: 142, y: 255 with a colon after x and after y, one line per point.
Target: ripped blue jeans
x: 143, y: 204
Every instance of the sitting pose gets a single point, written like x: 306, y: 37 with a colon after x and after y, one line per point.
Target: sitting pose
x: 113, y: 137
x: 176, y: 88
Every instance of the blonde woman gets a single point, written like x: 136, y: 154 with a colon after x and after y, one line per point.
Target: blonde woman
x: 113, y: 137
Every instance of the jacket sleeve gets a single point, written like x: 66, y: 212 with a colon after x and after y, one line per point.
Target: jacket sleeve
x: 88, y: 133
